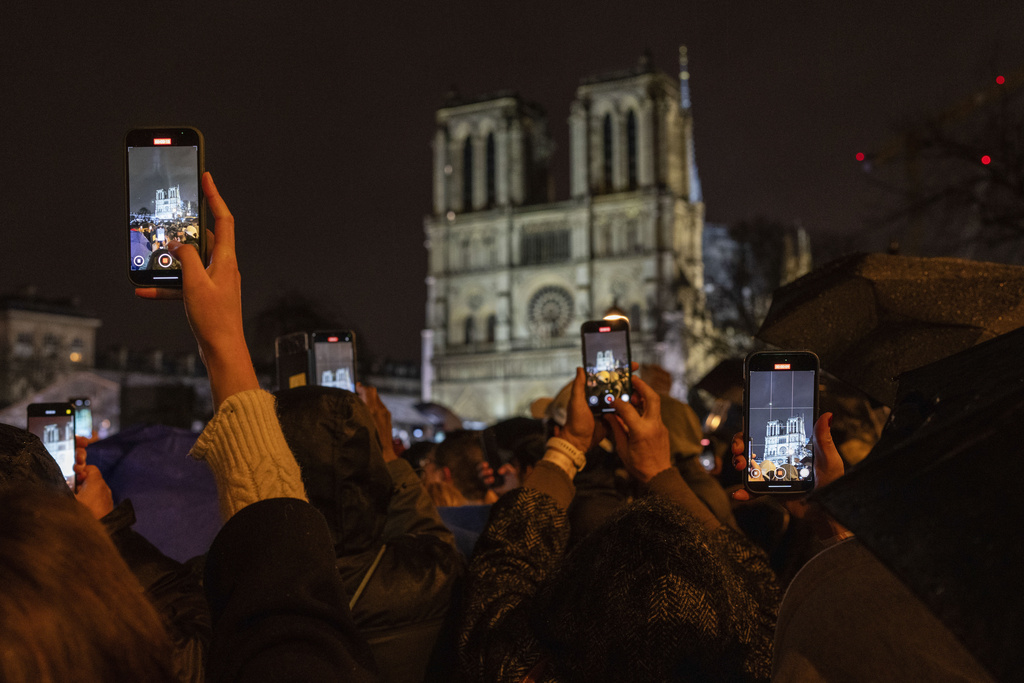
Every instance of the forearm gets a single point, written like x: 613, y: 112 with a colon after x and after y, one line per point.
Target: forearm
x: 247, y: 453
x: 411, y: 511
x: 229, y: 367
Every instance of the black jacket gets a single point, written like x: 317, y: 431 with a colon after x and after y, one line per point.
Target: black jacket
x: 396, y: 558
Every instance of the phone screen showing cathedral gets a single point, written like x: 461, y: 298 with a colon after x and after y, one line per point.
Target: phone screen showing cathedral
x: 334, y: 365
x: 163, y: 203
x: 606, y: 363
x: 57, y: 432
x: 779, y: 432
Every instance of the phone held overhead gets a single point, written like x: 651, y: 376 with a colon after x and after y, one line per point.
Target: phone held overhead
x: 781, y: 404
x: 163, y: 201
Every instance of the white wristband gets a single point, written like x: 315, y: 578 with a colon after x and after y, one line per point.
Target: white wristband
x: 560, y: 445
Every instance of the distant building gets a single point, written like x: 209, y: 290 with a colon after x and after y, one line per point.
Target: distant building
x: 169, y: 204
x: 786, y: 443
x: 42, y: 340
x: 513, y: 274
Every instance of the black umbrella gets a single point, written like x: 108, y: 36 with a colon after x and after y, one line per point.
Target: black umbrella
x: 937, y: 500
x: 871, y: 317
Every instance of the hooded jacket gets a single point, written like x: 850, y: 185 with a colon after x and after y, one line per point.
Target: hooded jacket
x: 396, y: 558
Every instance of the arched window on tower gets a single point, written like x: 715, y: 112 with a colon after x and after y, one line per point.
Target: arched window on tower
x: 492, y: 327
x: 631, y: 147
x: 470, y: 330
x: 467, y: 175
x: 608, y: 150
x: 492, y: 172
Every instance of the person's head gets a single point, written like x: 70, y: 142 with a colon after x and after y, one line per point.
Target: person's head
x: 679, y: 610
x: 335, y: 442
x: 458, y: 456
x: 70, y: 608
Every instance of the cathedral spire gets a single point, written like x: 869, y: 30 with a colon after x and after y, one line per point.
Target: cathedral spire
x: 684, y: 78
x: 692, y: 179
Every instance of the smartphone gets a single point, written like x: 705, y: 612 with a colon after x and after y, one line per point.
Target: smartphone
x: 294, y: 363
x: 54, y: 424
x: 163, y: 201
x: 83, y: 416
x: 334, y: 359
x: 780, y: 408
x: 607, y: 363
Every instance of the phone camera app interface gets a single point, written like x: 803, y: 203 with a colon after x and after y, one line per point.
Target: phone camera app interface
x: 607, y: 368
x: 57, y: 433
x: 781, y: 419
x: 334, y: 361
x: 163, y: 203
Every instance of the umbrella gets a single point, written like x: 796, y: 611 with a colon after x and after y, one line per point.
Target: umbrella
x: 140, y: 247
x: 725, y: 380
x: 936, y: 499
x: 871, y: 317
x: 174, y: 496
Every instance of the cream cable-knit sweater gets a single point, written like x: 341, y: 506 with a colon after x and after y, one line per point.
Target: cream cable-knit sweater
x: 245, y: 448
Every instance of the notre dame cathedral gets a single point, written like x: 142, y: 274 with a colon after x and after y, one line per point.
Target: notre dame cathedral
x: 512, y: 274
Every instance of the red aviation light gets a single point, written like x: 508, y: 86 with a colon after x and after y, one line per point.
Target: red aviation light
x: 986, y: 160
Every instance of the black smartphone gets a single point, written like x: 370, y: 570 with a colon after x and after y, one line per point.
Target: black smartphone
x: 294, y: 362
x: 54, y: 424
x: 334, y: 359
x: 781, y: 404
x: 163, y: 201
x: 83, y: 416
x: 607, y: 362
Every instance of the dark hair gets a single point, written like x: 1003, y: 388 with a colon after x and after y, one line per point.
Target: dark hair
x: 461, y: 451
x: 70, y: 608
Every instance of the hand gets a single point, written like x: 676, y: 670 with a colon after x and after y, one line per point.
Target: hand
x: 641, y: 440
x: 213, y: 303
x: 579, y: 421
x: 828, y: 466
x: 92, y: 491
x: 508, y: 473
x: 381, y: 419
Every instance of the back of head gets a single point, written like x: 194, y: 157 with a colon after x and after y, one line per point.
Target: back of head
x: 70, y: 609
x: 642, y: 598
x: 25, y: 461
x: 461, y: 452
x: 335, y: 442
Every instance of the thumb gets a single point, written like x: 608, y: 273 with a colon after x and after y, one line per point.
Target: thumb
x: 191, y: 263
x: 828, y: 464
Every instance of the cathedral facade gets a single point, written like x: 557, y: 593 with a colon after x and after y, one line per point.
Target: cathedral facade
x: 512, y: 275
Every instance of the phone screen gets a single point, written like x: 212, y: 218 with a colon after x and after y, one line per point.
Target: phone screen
x: 334, y: 360
x: 83, y: 416
x: 163, y: 169
x: 780, y: 419
x: 606, y: 361
x: 54, y: 424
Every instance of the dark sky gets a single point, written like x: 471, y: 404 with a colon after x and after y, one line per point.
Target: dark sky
x: 318, y: 120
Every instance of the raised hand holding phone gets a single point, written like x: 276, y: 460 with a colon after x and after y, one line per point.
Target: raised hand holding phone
x: 213, y: 302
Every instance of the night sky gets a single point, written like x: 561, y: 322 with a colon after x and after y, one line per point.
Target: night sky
x: 318, y: 120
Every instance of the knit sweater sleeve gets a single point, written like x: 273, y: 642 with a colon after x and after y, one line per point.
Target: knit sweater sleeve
x: 247, y: 453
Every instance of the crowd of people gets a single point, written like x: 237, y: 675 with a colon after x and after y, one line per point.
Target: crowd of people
x: 569, y: 548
